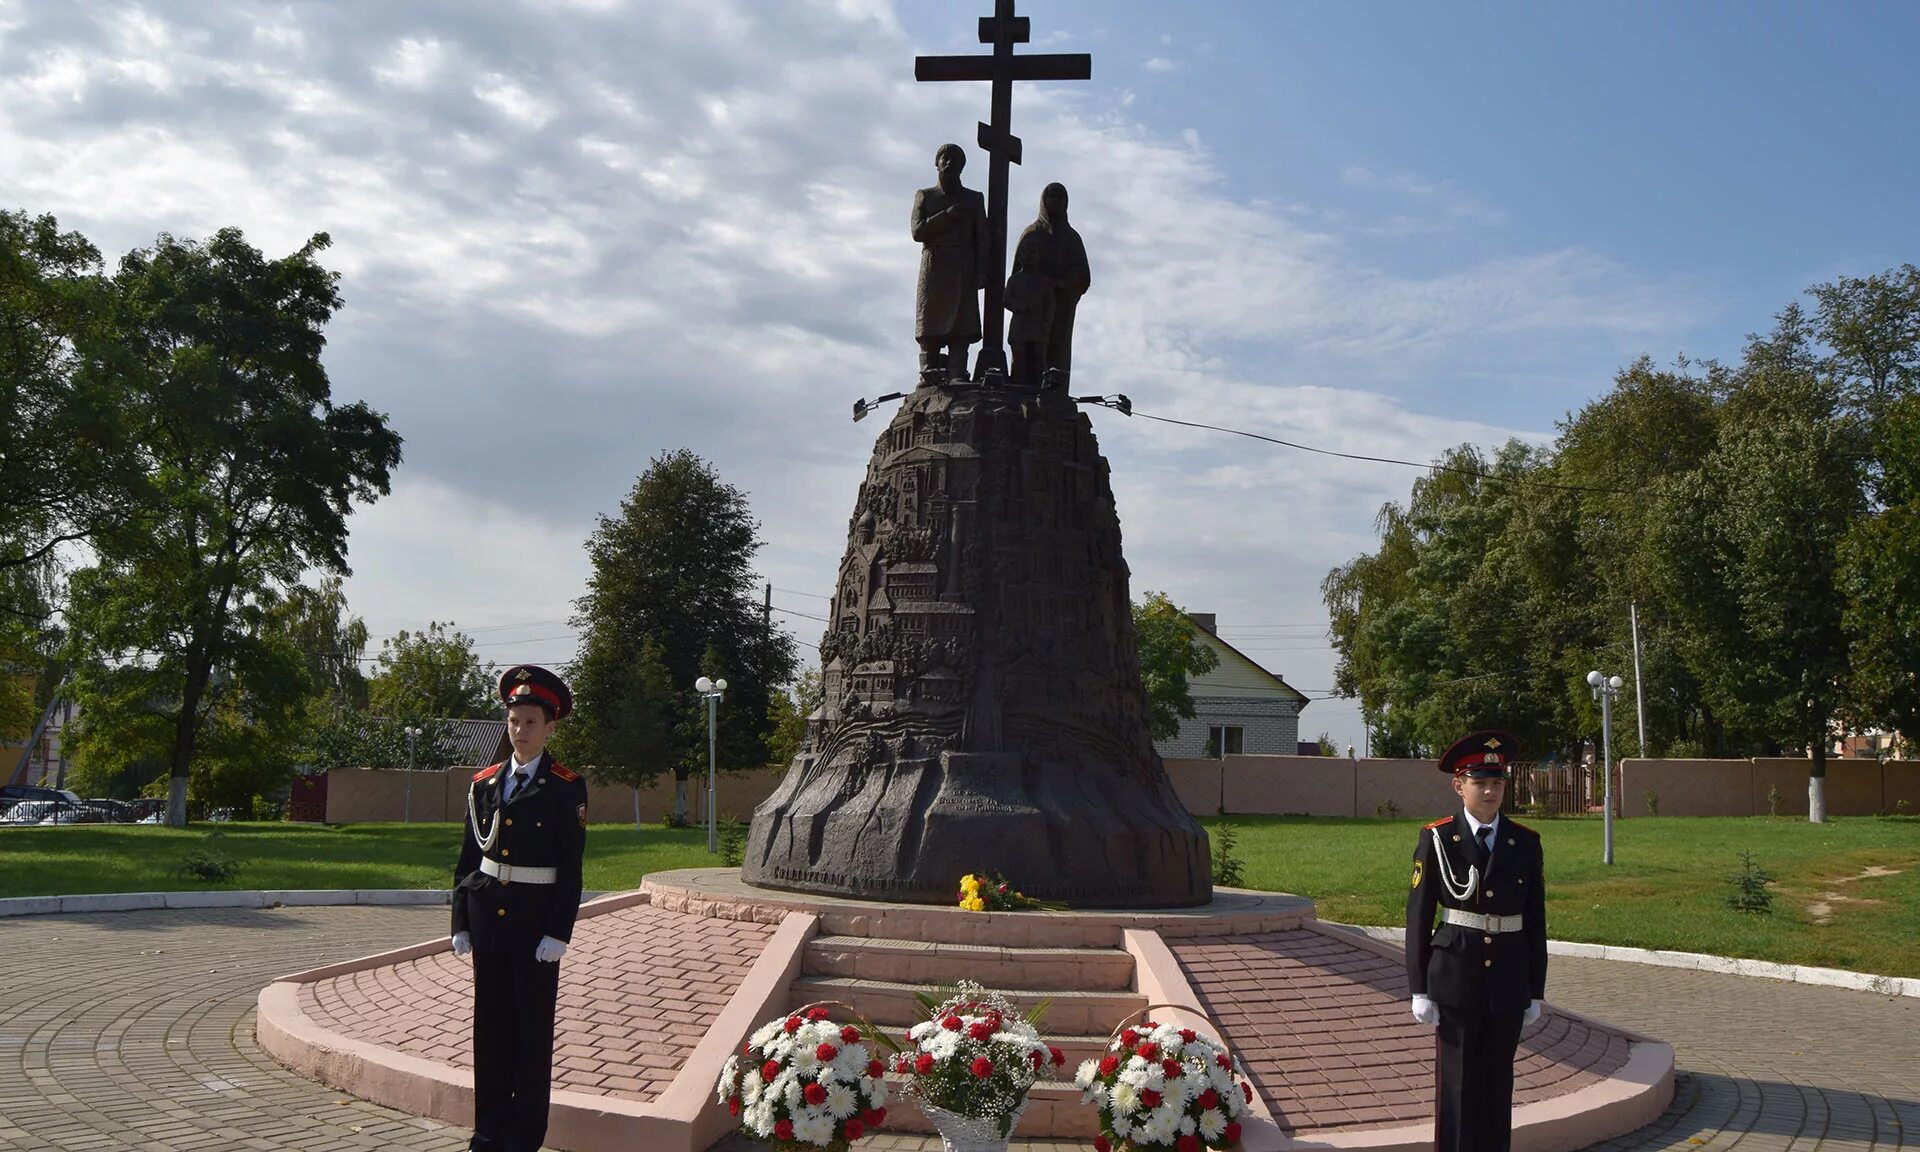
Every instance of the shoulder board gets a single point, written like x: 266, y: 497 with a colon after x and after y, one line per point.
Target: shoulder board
x: 564, y: 772
x: 486, y: 773
x: 1437, y: 823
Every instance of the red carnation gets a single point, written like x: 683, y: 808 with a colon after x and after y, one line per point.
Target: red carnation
x: 1058, y: 1057
x: 769, y: 1070
x: 1188, y: 1143
x: 1222, y: 1059
x: 746, y: 1049
x: 1129, y: 1038
x: 982, y: 1067
x: 1148, y: 1051
x: 1035, y: 1058
x: 1150, y: 1097
x: 1209, y: 1099
x: 733, y: 1105
x: 1188, y: 1035
x: 1149, y: 1025
x: 853, y: 1129
x: 876, y: 1069
x: 826, y: 1052
x: 1108, y: 1064
x: 1100, y: 1144
x: 815, y: 1093
x: 818, y: 1014
x: 902, y: 1064
x: 1246, y: 1090
x: 783, y: 1129
x: 923, y: 1063
x: 1170, y: 1068
x: 792, y: 1025
x: 979, y: 1029
x: 874, y: 1117
x: 1232, y: 1132
x: 849, y: 1034
x: 950, y: 1022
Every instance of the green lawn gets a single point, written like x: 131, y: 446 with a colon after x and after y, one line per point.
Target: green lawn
x: 1667, y: 889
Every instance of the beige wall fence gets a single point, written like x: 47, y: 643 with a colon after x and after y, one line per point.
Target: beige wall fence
x: 1250, y: 785
x: 359, y: 795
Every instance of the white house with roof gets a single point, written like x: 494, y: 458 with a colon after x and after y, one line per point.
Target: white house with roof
x: 1239, y: 707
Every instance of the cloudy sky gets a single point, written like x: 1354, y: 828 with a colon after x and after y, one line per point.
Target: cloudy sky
x: 575, y: 234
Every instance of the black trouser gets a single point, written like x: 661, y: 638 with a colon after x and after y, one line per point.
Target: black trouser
x: 513, y: 1001
x: 1476, y: 1080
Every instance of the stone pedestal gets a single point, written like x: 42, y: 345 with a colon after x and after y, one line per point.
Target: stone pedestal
x: 983, y: 705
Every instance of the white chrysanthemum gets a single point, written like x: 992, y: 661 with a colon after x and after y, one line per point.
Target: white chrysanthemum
x: 764, y: 1035
x: 805, y: 1062
x: 1123, y: 1125
x: 1126, y: 1098
x: 875, y: 1088
x: 778, y: 1047
x: 1134, y: 1075
x: 751, y: 1087
x: 1185, y: 1126
x: 1095, y: 1094
x: 921, y: 1030
x: 841, y: 1102
x: 1213, y: 1123
x: 793, y: 1091
x: 851, y: 1064
x: 813, y: 1128
x: 1087, y: 1073
x: 943, y: 1045
x: 1164, y: 1122
x: 760, y: 1118
x: 729, y: 1072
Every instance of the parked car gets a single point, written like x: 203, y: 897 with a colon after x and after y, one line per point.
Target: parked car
x: 37, y: 792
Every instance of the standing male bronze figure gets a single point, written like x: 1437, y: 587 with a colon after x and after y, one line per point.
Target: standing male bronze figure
x: 950, y: 222
x: 1480, y: 975
x: 1050, y: 274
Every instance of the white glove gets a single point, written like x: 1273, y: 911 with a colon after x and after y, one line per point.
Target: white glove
x: 1425, y: 1010
x: 462, y: 943
x: 549, y: 950
x: 1532, y: 1014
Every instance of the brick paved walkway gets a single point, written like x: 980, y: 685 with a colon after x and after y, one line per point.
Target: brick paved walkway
x: 134, y: 1030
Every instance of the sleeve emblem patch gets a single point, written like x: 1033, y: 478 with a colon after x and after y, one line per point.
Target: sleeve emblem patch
x: 1419, y: 869
x: 582, y: 811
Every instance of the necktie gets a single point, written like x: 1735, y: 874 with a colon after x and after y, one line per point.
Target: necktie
x: 1485, y: 838
x: 515, y: 781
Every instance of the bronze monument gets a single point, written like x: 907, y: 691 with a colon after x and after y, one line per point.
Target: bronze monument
x: 1050, y: 274
x: 983, y: 708
x: 950, y: 222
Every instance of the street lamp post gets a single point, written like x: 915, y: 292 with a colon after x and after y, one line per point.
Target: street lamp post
x: 413, y: 734
x: 711, y: 691
x: 1605, y: 688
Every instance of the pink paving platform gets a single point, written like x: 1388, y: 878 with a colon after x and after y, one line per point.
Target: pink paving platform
x: 661, y: 984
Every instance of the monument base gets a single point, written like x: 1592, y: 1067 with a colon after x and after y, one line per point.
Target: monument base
x: 660, y: 986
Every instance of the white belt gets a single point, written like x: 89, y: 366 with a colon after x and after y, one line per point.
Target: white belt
x: 509, y: 874
x: 1479, y: 922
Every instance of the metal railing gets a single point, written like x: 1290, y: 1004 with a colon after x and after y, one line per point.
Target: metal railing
x: 1556, y: 788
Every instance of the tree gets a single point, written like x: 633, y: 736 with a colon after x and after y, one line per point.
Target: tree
x: 1169, y: 654
x: 675, y: 567
x: 66, y: 468
x: 625, y: 709
x: 787, y: 719
x: 1880, y: 571
x: 432, y: 675
x: 255, y: 470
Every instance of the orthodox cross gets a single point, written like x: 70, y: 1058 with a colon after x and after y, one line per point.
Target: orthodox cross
x: 1002, y: 30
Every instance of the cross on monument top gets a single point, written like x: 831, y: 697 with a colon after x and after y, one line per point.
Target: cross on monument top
x: 1003, y: 30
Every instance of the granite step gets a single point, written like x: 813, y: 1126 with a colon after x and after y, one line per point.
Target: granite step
x: 892, y: 1004
x: 926, y: 962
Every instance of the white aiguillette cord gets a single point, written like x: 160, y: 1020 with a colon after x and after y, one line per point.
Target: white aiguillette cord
x: 1454, y: 888
x: 493, y: 832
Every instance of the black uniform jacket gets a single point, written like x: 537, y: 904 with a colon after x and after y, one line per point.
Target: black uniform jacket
x: 543, y: 826
x: 1464, y: 968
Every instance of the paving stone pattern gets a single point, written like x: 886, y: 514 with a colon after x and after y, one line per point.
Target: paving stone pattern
x: 638, y: 989
x: 134, y: 1030
x: 1322, y: 1026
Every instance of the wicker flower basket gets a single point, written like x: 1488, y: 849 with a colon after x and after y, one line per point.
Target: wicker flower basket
x: 970, y: 1133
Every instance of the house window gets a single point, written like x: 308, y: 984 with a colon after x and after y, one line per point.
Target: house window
x: 1223, y: 740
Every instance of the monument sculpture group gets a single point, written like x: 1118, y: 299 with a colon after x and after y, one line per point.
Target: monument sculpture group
x: 983, y: 703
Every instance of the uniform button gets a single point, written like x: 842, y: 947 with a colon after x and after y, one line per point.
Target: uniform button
x: 509, y: 821
x: 1488, y: 891
x: 1489, y: 939
x: 1485, y: 964
x: 539, y: 824
x: 506, y: 852
x: 503, y: 912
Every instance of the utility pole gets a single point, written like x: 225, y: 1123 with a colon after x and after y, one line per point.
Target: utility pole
x: 1639, y: 694
x: 1605, y: 688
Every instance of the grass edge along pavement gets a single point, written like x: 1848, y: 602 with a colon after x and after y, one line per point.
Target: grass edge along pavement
x: 1846, y: 893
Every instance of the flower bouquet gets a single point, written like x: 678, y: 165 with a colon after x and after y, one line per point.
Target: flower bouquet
x: 991, y: 892
x: 805, y: 1082
x: 971, y: 1064
x: 1160, y: 1086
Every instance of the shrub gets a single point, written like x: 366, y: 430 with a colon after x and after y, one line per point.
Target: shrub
x: 1653, y: 802
x: 1750, y: 888
x: 1386, y: 809
x: 209, y: 862
x: 733, y: 843
x: 1773, y: 800
x: 1229, y: 871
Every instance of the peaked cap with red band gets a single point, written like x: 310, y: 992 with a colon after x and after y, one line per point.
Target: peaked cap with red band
x: 1480, y: 754
x: 532, y: 684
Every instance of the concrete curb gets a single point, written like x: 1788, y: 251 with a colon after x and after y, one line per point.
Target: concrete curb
x: 1699, y: 962
x: 253, y: 898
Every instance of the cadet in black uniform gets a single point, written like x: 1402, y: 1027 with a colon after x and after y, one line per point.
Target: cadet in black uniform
x: 516, y: 892
x: 1479, y: 975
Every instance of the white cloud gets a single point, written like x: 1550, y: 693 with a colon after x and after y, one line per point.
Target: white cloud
x: 1160, y: 64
